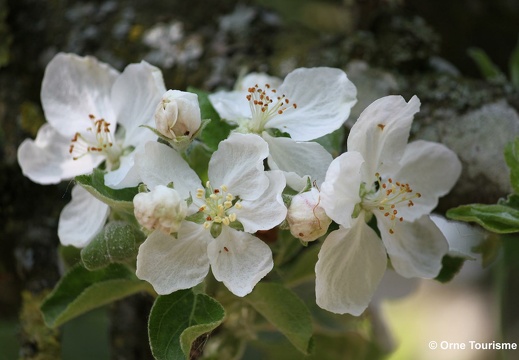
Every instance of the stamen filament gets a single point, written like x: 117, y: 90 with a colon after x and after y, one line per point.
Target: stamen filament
x: 96, y: 139
x: 387, y: 196
x: 264, y: 105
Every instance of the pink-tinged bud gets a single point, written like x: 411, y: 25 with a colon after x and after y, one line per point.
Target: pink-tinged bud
x: 178, y: 114
x: 160, y: 209
x: 307, y: 220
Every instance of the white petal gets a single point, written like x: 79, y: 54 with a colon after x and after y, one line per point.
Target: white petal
x: 74, y: 87
x: 160, y: 165
x: 350, y: 267
x: 296, y: 182
x: 238, y: 164
x: 462, y: 238
x: 415, y: 248
x: 324, y: 98
x: 47, y: 160
x: 82, y: 218
x: 231, y: 105
x: 126, y: 175
x: 239, y: 260
x: 268, y: 210
x: 381, y: 132
x: 260, y: 79
x: 340, y: 190
x: 135, y: 96
x: 171, y: 264
x: 430, y: 169
x: 302, y: 158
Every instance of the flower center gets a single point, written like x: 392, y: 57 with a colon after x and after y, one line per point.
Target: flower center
x: 387, y: 196
x: 264, y: 105
x: 219, y: 205
x: 97, y: 139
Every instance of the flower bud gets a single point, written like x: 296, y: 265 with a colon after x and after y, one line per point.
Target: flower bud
x: 307, y: 220
x: 162, y: 209
x: 178, y: 114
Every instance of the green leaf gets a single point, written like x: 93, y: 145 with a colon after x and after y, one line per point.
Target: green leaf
x: 226, y: 344
x: 117, y: 199
x: 499, y: 218
x: 178, y: 319
x: 512, y: 160
x: 286, y: 248
x: 487, y: 68
x: 81, y: 290
x: 347, y: 344
x: 333, y: 142
x: 117, y: 242
x: 451, y: 265
x: 287, y: 312
x: 514, y: 66
x: 302, y: 269
x: 217, y: 130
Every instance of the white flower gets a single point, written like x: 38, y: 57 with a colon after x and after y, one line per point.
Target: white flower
x: 162, y: 208
x: 83, y: 100
x: 308, y: 104
x: 239, y: 194
x: 178, y: 114
x: 397, y: 183
x: 306, y: 218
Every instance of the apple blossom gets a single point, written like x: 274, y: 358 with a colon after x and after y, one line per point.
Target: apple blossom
x: 239, y: 199
x: 83, y: 100
x: 398, y: 184
x: 308, y: 104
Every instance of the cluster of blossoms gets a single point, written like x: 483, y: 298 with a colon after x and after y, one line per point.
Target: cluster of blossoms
x: 267, y: 173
